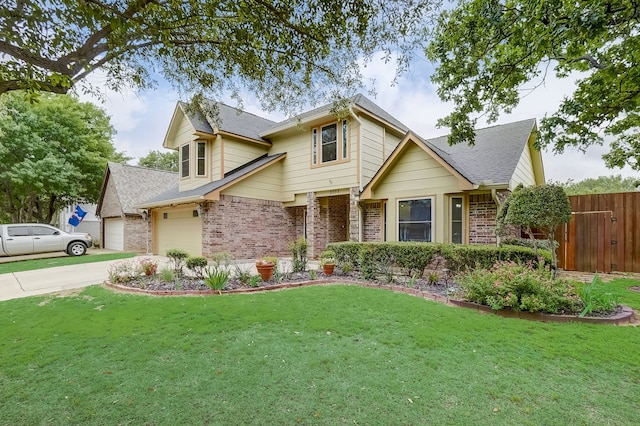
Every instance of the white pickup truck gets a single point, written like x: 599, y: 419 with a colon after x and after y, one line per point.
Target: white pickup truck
x: 29, y: 238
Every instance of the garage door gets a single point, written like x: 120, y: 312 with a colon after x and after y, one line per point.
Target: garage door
x: 114, y: 233
x: 178, y: 228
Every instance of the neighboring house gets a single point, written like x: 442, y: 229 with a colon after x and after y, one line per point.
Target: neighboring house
x: 250, y: 186
x: 124, y: 227
x: 90, y: 223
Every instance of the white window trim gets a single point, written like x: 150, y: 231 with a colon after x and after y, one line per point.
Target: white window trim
x: 342, y: 150
x: 433, y: 219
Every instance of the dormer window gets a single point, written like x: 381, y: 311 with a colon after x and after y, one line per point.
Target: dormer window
x: 329, y: 143
x: 201, y: 163
x: 184, y: 161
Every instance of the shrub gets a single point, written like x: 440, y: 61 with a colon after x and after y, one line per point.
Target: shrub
x: 197, y: 264
x: 298, y: 250
x: 123, y: 271
x: 148, y: 266
x: 594, y: 299
x: 177, y: 258
x: 527, y: 242
x: 167, y: 274
x: 519, y: 287
x: 216, y: 278
x: 367, y: 263
x: 221, y: 258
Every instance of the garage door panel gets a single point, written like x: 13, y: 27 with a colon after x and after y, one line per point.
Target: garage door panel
x: 179, y: 229
x: 114, y: 233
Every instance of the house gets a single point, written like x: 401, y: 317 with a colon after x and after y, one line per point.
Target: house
x: 250, y: 185
x: 124, y: 227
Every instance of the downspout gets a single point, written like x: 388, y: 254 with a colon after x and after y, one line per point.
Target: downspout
x: 494, y: 196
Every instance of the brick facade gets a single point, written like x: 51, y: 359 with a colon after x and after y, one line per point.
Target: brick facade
x: 249, y: 228
x: 372, y: 226
x: 135, y: 234
x: 482, y: 219
x: 354, y: 214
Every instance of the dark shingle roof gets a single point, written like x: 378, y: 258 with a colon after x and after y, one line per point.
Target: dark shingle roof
x: 136, y: 184
x: 494, y: 156
x: 231, y: 120
x: 174, y: 194
x: 358, y: 100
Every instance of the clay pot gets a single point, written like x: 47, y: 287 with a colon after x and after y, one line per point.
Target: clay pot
x: 328, y: 268
x: 265, y: 270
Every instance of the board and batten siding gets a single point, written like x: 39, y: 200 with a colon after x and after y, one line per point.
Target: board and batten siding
x: 377, y: 145
x: 264, y: 185
x: 237, y: 153
x: 298, y: 174
x: 417, y: 175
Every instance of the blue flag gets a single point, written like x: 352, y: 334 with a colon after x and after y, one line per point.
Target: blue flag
x: 77, y: 217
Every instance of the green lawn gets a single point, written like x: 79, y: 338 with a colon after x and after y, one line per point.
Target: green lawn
x: 29, y: 265
x: 326, y: 355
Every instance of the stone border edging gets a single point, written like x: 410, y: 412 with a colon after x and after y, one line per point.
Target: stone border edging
x: 627, y: 316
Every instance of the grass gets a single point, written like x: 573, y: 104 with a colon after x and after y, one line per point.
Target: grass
x: 326, y: 355
x: 30, y: 265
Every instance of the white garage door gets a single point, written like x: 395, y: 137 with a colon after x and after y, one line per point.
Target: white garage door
x: 178, y: 228
x: 114, y: 233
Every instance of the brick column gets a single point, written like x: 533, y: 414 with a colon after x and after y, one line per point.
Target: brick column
x: 313, y: 225
x: 354, y: 214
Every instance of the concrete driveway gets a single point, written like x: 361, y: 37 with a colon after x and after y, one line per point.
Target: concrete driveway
x: 49, y: 280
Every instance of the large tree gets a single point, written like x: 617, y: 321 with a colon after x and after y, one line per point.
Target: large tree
x: 52, y: 152
x: 287, y: 52
x: 601, y: 185
x: 160, y: 160
x: 488, y: 51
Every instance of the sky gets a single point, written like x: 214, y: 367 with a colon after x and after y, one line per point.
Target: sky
x: 141, y: 119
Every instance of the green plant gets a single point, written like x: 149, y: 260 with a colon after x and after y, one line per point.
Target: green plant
x: 298, y: 250
x: 148, y: 266
x: 197, y: 264
x: 519, y: 287
x: 254, y: 280
x: 242, y: 274
x: 368, y: 266
x: 221, y: 258
x: 167, y: 274
x: 177, y: 258
x: 595, y: 300
x: 123, y: 271
x: 433, y: 278
x: 327, y: 257
x: 216, y: 278
x: 313, y: 274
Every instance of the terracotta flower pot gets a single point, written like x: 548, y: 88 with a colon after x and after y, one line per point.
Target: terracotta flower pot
x: 328, y: 268
x: 265, y: 270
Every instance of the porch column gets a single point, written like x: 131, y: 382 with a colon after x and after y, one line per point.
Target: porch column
x: 354, y: 214
x: 313, y: 226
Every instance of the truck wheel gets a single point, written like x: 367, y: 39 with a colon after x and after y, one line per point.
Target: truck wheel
x: 76, y: 249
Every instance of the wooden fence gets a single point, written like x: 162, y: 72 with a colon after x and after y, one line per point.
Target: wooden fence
x: 603, y: 235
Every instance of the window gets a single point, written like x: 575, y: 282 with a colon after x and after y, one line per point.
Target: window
x: 18, y: 231
x: 329, y: 143
x: 345, y: 139
x: 415, y: 220
x: 44, y: 230
x: 184, y: 161
x: 201, y: 170
x: 456, y: 220
x: 314, y: 146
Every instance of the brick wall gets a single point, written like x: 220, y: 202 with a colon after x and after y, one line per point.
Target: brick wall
x: 249, y: 228
x: 482, y: 219
x: 372, y: 218
x: 135, y: 234
x: 354, y: 214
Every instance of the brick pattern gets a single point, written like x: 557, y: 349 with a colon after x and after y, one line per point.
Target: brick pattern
x: 337, y: 218
x: 354, y: 214
x: 313, y: 226
x: 135, y: 234
x: 482, y: 219
x: 248, y: 228
x: 372, y: 226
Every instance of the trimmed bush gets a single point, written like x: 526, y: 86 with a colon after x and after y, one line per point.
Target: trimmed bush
x: 197, y: 264
x: 527, y: 242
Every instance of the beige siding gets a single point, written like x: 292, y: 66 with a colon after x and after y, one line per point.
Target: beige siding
x: 183, y: 133
x: 217, y: 147
x: 523, y: 172
x: 179, y: 230
x: 298, y: 175
x: 265, y: 185
x: 417, y: 175
x: 372, y: 138
x: 237, y: 153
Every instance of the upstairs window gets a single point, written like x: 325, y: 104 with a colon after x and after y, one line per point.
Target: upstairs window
x: 184, y: 161
x: 330, y: 143
x: 201, y: 164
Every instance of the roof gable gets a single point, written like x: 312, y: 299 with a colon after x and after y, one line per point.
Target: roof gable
x: 135, y: 184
